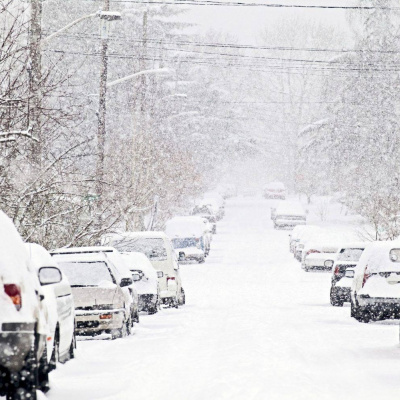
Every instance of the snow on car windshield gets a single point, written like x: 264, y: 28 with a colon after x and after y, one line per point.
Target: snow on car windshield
x: 184, y: 243
x: 85, y: 273
x: 153, y: 248
x: 350, y: 254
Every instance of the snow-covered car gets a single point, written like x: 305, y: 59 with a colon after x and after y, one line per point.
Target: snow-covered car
x: 307, y: 233
x: 288, y: 215
x: 190, y: 237
x: 375, y: 291
x: 214, y: 202
x: 23, y: 320
x: 99, y: 293
x: 58, y: 296
x: 145, y: 278
x: 275, y: 190
x: 158, y: 248
x: 315, y: 255
x: 129, y: 291
x: 212, y: 220
x: 346, y: 260
x: 294, y: 236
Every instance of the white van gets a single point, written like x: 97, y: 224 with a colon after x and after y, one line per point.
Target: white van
x: 158, y: 248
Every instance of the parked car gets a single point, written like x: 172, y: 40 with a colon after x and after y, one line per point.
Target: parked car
x: 346, y: 260
x: 375, y: 291
x: 158, y: 248
x: 294, y: 236
x: 190, y: 237
x: 58, y: 295
x: 275, y: 190
x: 315, y: 255
x: 214, y: 202
x: 309, y: 232
x: 288, y: 215
x: 23, y: 320
x: 130, y: 293
x: 145, y: 278
x: 100, y: 293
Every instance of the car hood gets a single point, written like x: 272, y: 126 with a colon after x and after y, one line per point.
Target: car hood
x: 93, y: 296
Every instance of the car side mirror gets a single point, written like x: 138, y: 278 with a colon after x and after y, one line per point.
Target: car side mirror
x: 135, y: 277
x: 49, y: 276
x: 349, y: 273
x: 126, y: 282
x: 160, y: 274
x: 329, y: 263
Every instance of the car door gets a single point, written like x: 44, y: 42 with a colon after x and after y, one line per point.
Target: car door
x: 66, y: 313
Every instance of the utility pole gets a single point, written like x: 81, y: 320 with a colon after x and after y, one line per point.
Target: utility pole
x: 101, y: 129
x: 35, y: 77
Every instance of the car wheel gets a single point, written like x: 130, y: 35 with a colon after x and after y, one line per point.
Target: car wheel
x: 43, y: 373
x: 363, y: 315
x: 182, y: 299
x: 71, y: 352
x: 201, y: 261
x: 335, y: 299
x: 55, y: 355
x: 120, y: 333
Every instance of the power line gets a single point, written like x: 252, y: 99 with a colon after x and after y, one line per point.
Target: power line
x: 227, y: 45
x: 245, y: 4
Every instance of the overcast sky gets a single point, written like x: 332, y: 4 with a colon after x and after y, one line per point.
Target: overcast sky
x: 246, y: 23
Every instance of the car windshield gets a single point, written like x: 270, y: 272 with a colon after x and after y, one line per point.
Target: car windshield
x: 86, y: 273
x: 350, y: 254
x: 183, y: 243
x: 153, y: 248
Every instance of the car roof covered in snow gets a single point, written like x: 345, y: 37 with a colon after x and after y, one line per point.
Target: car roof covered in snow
x: 139, y: 261
x: 139, y: 234
x: 113, y: 254
x: 39, y: 256
x: 291, y: 208
x: 185, y: 227
x: 275, y: 185
x: 14, y: 257
x: 376, y: 257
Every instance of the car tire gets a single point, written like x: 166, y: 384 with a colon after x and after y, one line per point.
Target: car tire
x: 182, y: 299
x: 201, y: 261
x: 72, y: 347
x: 335, y: 300
x: 55, y: 354
x: 121, y: 332
x: 43, y: 373
x: 363, y: 315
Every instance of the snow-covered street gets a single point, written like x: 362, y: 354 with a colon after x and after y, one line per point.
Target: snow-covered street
x: 255, y: 326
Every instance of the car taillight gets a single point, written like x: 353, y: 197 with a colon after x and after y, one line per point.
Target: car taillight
x: 337, y: 270
x: 170, y: 278
x: 14, y: 292
x: 366, y: 276
x: 312, y: 252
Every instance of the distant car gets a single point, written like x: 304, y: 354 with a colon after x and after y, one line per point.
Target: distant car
x: 158, y: 248
x: 23, y: 320
x: 145, y: 278
x: 190, y: 237
x: 375, y: 291
x: 316, y: 254
x: 56, y: 288
x: 307, y: 233
x: 294, y: 236
x: 346, y: 260
x: 99, y: 293
x: 288, y: 215
x: 275, y: 190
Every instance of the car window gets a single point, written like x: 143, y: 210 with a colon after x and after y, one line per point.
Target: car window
x: 350, y: 254
x: 153, y: 248
x: 86, y: 273
x: 184, y: 243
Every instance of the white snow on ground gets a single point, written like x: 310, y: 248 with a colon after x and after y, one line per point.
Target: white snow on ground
x: 255, y: 327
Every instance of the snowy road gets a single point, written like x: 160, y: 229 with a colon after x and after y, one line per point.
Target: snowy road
x: 255, y: 327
